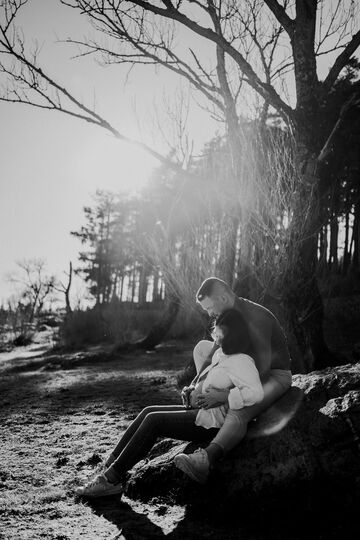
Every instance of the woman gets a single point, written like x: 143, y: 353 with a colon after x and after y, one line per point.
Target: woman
x: 231, y: 369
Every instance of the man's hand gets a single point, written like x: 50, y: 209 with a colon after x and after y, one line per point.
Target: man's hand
x: 195, y: 395
x: 212, y: 397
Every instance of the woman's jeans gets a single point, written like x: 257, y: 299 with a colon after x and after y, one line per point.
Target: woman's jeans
x: 173, y: 421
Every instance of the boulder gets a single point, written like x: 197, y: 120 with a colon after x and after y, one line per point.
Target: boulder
x: 303, y: 452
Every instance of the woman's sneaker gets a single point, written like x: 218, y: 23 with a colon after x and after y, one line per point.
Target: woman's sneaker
x: 99, y: 487
x: 195, y: 465
x: 101, y: 468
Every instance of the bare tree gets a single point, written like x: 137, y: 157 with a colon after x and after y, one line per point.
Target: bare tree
x: 253, y: 46
x: 65, y: 289
x: 35, y: 285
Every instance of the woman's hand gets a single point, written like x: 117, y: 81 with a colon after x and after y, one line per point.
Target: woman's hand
x: 212, y: 397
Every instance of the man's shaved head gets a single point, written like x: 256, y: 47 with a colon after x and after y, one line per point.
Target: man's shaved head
x: 214, y: 296
x: 212, y: 286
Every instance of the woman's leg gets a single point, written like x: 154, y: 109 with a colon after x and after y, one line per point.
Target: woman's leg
x: 129, y: 432
x: 173, y: 424
x: 177, y: 423
x: 200, y: 355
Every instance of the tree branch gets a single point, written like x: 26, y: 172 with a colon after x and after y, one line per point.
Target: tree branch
x: 90, y: 116
x: 342, y: 60
x: 173, y: 63
x: 286, y: 22
x: 267, y: 91
x: 349, y: 108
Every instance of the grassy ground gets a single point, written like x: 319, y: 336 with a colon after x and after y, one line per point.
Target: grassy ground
x: 59, y: 417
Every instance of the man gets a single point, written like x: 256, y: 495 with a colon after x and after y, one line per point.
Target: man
x: 271, y: 355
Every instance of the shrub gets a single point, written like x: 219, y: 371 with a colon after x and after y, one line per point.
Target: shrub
x: 335, y: 284
x: 121, y: 322
x: 23, y: 339
x: 189, y: 324
x: 84, y: 328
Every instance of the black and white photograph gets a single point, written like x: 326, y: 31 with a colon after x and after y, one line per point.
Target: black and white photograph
x: 179, y: 269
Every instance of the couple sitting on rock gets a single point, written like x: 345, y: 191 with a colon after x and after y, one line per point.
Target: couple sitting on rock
x: 239, y: 375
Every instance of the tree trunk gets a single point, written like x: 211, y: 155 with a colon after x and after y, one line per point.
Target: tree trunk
x: 302, y: 297
x: 323, y: 248
x: 334, y: 233
x: 143, y: 284
x: 226, y: 263
x: 34, y: 306
x: 346, y: 259
x: 67, y: 290
x: 133, y: 283
x: 121, y: 291
x: 155, y: 297
x: 114, y: 285
x: 356, y: 235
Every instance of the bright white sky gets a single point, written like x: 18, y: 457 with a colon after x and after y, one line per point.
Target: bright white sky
x: 51, y: 163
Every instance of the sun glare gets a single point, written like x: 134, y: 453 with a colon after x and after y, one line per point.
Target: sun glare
x: 109, y: 164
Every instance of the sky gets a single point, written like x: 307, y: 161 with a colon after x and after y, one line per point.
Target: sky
x: 51, y: 164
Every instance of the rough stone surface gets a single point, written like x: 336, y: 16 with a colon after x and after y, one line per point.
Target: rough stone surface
x: 305, y: 448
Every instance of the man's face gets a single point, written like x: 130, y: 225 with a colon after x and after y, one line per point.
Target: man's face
x: 214, y: 305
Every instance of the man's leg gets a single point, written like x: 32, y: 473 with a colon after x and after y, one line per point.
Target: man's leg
x: 201, y: 353
x: 235, y: 425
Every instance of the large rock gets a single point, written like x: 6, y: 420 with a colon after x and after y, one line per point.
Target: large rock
x: 305, y: 449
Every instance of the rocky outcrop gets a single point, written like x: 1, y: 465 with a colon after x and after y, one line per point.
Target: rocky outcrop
x: 304, y: 450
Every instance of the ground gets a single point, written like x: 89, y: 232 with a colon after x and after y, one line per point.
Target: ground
x: 60, y: 415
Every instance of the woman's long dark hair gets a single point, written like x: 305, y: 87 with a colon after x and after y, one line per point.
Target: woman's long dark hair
x: 236, y: 333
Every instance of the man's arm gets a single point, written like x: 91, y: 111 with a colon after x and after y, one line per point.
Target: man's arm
x: 212, y: 397
x: 261, y: 344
